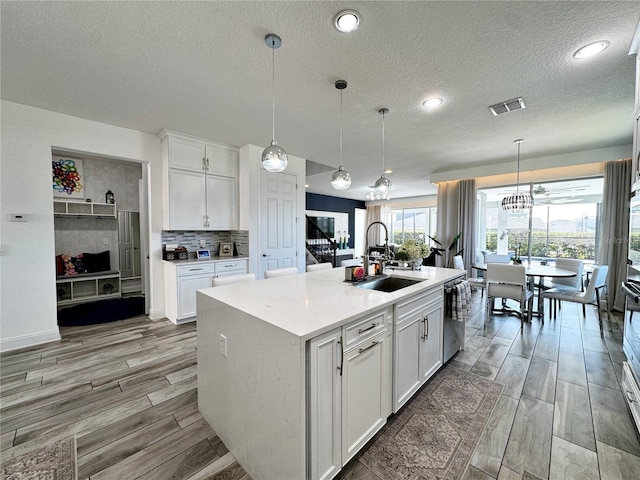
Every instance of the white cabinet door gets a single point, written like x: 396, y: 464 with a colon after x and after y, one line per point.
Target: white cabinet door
x: 418, y: 343
x: 431, y: 342
x: 324, y: 405
x: 222, y: 203
x: 187, y: 287
x: 407, y: 361
x: 222, y: 161
x: 186, y: 200
x: 186, y: 154
x: 365, y: 392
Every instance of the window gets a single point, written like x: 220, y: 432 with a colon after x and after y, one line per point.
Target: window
x: 411, y: 223
x: 564, y: 221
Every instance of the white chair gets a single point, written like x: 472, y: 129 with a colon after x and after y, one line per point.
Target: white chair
x: 458, y: 262
x: 280, y: 272
x: 566, y: 284
x: 319, y: 266
x: 232, y: 279
x: 597, y: 286
x: 508, y: 282
x: 352, y: 262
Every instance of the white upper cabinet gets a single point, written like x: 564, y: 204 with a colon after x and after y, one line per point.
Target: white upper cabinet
x: 200, y: 181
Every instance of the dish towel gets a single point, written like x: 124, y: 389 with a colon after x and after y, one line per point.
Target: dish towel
x: 461, y: 301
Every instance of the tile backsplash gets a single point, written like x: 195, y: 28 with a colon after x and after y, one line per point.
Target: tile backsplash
x: 191, y: 240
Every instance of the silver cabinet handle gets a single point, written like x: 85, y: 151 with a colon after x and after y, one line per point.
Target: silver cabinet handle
x: 425, y: 320
x: 631, y: 400
x: 204, y: 164
x: 265, y: 255
x: 373, y: 344
x: 207, y: 164
x: 362, y: 330
x: 195, y: 269
x: 341, y: 355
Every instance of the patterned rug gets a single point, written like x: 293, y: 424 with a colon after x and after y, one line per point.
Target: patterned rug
x: 434, y: 435
x: 53, y: 462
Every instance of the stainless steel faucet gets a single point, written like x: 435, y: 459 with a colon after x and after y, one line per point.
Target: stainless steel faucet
x: 365, y: 260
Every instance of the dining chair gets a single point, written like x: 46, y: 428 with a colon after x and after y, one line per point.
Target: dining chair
x: 280, y: 272
x: 319, y: 266
x: 508, y: 282
x: 233, y: 279
x: 566, y: 284
x: 592, y: 295
x: 458, y: 262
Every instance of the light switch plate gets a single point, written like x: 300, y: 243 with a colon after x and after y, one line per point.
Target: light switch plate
x: 223, y: 345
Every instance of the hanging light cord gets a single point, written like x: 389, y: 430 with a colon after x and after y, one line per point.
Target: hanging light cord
x: 382, y: 143
x: 273, y: 91
x: 340, y: 128
x: 518, y: 171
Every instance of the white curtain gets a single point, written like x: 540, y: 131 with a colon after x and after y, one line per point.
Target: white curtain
x: 614, y: 240
x: 375, y: 213
x: 457, y: 214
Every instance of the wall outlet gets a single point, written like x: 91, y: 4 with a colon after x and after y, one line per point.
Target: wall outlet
x: 223, y: 345
x: 202, y: 243
x: 105, y: 241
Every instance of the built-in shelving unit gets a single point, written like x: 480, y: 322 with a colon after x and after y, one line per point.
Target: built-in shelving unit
x: 66, y: 208
x: 88, y: 287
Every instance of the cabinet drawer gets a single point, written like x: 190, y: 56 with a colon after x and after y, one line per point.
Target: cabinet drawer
x: 185, y: 270
x: 231, y: 266
x: 365, y: 328
x: 631, y: 393
x: 417, y: 303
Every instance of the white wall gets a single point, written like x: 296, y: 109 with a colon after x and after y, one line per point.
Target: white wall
x: 249, y: 203
x: 27, y: 269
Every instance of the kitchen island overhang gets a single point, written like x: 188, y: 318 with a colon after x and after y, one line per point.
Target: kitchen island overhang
x: 252, y: 384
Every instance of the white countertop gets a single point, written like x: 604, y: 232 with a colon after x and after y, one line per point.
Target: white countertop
x: 195, y: 261
x: 309, y: 304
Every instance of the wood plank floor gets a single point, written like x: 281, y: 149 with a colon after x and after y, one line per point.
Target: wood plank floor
x: 128, y: 391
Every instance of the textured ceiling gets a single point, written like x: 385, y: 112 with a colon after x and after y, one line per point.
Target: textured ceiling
x: 202, y: 68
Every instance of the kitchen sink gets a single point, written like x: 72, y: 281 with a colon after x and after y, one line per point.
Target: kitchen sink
x: 388, y: 284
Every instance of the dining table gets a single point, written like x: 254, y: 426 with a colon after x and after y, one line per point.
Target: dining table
x: 540, y: 272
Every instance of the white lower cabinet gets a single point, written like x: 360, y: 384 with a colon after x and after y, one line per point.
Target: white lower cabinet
x: 349, y: 390
x: 182, y: 280
x: 417, y: 343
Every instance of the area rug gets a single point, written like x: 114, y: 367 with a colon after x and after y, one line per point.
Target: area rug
x: 53, y: 462
x: 102, y: 311
x: 435, y: 434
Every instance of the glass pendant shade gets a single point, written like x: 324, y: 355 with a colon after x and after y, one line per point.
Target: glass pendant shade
x: 274, y: 158
x: 517, y: 202
x: 341, y: 179
x: 383, y: 184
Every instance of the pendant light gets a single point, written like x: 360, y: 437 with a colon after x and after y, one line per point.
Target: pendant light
x: 341, y: 180
x: 383, y: 184
x: 517, y: 202
x: 274, y: 158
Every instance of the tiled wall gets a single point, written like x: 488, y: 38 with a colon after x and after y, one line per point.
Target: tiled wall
x: 191, y: 240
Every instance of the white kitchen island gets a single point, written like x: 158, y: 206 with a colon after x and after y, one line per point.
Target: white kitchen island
x: 296, y: 374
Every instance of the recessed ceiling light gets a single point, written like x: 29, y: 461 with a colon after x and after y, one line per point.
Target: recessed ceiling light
x: 432, y: 102
x: 306, y: 185
x: 347, y: 21
x: 591, y: 49
x: 388, y: 170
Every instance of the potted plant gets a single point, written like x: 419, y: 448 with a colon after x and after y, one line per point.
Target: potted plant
x: 447, y: 253
x: 413, y: 252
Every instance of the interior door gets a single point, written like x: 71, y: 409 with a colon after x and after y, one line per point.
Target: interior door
x: 278, y: 221
x: 125, y: 244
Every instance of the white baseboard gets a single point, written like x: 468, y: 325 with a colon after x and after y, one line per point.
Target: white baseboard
x: 31, y: 340
x: 156, y: 314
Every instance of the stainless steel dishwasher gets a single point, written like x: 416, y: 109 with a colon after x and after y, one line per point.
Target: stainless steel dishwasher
x: 453, y: 331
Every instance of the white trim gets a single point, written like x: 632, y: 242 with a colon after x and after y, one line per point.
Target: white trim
x: 31, y: 340
x: 156, y: 314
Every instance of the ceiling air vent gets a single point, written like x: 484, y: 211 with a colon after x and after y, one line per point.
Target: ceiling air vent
x: 508, y: 106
